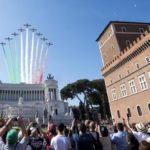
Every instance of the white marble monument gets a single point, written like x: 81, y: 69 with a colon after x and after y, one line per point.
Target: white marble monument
x: 34, y: 101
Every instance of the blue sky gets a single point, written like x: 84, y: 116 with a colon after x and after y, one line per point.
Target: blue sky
x: 73, y: 26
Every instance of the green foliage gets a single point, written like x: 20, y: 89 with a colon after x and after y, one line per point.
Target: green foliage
x: 94, y: 98
x: 67, y: 92
x: 94, y: 93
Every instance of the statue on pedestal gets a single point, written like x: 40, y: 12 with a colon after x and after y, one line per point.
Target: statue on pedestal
x: 50, y: 77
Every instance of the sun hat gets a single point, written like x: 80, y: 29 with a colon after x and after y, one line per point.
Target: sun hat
x: 141, y: 127
x: 12, y: 137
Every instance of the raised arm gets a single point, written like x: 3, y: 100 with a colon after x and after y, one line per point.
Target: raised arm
x: 127, y: 125
x: 23, y: 129
x: 6, y: 127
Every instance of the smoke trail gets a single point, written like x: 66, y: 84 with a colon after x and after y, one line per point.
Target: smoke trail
x: 18, y: 48
x: 6, y: 64
x: 31, y: 58
x: 17, y: 75
x: 36, y: 57
x: 40, y: 61
x: 44, y: 64
x: 22, y: 62
x: 12, y: 70
x: 26, y: 58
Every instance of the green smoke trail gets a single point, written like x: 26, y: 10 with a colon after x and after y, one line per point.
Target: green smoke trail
x: 17, y: 64
x: 6, y: 64
x: 18, y: 67
x: 13, y: 76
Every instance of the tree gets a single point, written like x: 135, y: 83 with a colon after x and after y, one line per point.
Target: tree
x: 77, y: 89
x: 99, y: 96
x: 88, y: 93
x: 76, y: 112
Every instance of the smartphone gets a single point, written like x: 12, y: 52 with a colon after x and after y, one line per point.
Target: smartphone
x: 34, y: 124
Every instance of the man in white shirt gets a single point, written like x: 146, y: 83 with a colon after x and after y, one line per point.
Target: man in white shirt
x: 141, y: 133
x: 60, y: 141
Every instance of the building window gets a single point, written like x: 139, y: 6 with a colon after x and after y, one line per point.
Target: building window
x: 132, y: 87
x: 141, y: 30
x: 143, y: 82
x: 149, y: 107
x: 56, y: 112
x: 114, y: 97
x: 137, y: 66
x: 139, y: 110
x: 147, y: 60
x: 120, y: 76
x: 111, y: 81
x: 128, y: 42
x: 118, y: 114
x: 123, y: 29
x: 128, y: 71
x: 123, y: 90
x: 128, y: 112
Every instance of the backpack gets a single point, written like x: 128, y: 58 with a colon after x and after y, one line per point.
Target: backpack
x: 85, y: 142
x: 97, y: 145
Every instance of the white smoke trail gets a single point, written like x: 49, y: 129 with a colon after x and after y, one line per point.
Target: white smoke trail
x: 26, y: 58
x: 36, y: 57
x: 31, y: 58
x: 22, y: 62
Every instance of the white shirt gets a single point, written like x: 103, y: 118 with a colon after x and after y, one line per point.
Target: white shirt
x: 60, y: 142
x: 141, y: 136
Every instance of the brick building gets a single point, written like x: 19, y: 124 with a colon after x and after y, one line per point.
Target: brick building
x: 125, y: 53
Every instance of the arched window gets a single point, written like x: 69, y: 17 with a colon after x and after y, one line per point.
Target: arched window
x: 128, y: 112
x: 147, y: 59
x: 138, y: 66
x: 118, y: 114
x: 139, y: 111
x: 149, y: 107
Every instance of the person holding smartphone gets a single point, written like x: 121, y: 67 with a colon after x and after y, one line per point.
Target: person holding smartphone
x: 11, y: 141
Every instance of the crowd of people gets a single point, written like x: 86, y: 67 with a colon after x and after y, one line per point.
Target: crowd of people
x: 81, y: 135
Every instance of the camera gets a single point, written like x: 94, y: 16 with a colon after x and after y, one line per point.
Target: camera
x: 34, y: 124
x: 15, y: 119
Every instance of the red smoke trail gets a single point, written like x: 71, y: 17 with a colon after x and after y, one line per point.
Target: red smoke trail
x: 43, y: 66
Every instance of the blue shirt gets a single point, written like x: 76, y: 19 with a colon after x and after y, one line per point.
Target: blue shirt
x: 119, y: 139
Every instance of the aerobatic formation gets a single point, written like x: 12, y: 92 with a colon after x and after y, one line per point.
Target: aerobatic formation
x: 25, y: 55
